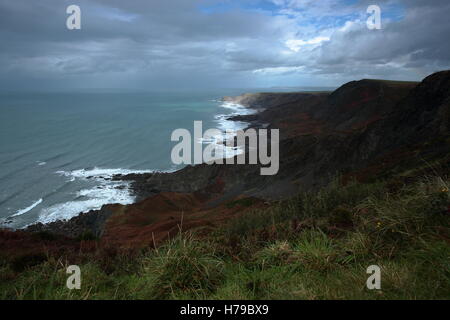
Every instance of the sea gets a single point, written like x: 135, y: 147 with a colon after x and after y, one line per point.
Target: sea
x: 59, y: 150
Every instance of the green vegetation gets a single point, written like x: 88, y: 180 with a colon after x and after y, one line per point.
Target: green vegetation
x: 314, y: 246
x: 245, y: 202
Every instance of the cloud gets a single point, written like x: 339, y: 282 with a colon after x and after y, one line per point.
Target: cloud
x: 279, y: 70
x: 296, y: 44
x: 182, y: 43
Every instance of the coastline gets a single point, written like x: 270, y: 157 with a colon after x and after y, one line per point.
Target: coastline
x: 351, y: 187
x: 348, y: 132
x: 266, y: 109
x: 93, y: 221
x: 217, y: 182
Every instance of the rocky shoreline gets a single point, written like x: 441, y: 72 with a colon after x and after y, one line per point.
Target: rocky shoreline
x: 89, y: 224
x: 93, y: 222
x: 361, y: 130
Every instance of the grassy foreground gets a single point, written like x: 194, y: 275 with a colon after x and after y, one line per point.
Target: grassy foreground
x: 314, y: 246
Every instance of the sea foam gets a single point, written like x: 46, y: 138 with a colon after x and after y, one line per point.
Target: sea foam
x: 27, y: 209
x: 104, y: 192
x: 229, y: 129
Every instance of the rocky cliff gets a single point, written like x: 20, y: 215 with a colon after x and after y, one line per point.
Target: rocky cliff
x: 366, y: 129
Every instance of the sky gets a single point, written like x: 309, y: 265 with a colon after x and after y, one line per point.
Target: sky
x: 196, y: 44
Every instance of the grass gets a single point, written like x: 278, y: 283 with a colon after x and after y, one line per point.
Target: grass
x: 313, y: 246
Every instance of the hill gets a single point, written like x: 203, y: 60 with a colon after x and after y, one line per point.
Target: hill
x: 363, y: 180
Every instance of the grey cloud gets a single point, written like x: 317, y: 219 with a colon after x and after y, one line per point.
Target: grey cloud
x: 172, y: 43
x: 419, y: 37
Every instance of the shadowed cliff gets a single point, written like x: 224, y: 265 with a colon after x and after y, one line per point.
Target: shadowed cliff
x: 366, y: 130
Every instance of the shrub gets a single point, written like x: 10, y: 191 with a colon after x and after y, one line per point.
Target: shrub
x: 184, y: 266
x: 314, y: 250
x: 275, y: 254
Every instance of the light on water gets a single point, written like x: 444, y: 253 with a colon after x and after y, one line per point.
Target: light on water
x: 60, y: 150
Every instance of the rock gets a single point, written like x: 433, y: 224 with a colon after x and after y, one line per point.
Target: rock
x: 92, y: 222
x: 353, y: 130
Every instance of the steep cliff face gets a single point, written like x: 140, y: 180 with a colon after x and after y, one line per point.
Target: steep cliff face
x: 424, y: 113
x: 321, y: 135
x: 368, y: 129
x: 410, y: 134
x: 359, y: 103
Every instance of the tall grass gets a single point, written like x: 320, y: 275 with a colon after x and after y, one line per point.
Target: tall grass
x: 314, y: 246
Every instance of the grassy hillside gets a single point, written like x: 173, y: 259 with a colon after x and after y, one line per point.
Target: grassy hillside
x: 217, y: 232
x: 313, y: 246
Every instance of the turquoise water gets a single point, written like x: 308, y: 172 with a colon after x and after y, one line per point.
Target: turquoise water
x: 58, y: 150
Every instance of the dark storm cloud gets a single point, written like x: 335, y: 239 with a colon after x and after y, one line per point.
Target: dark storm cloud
x: 178, y: 43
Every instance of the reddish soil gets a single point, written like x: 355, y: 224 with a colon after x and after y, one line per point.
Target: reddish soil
x: 143, y: 225
x: 165, y: 215
x: 16, y: 244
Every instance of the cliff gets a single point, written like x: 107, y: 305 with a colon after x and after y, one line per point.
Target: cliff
x: 363, y: 180
x: 365, y: 130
